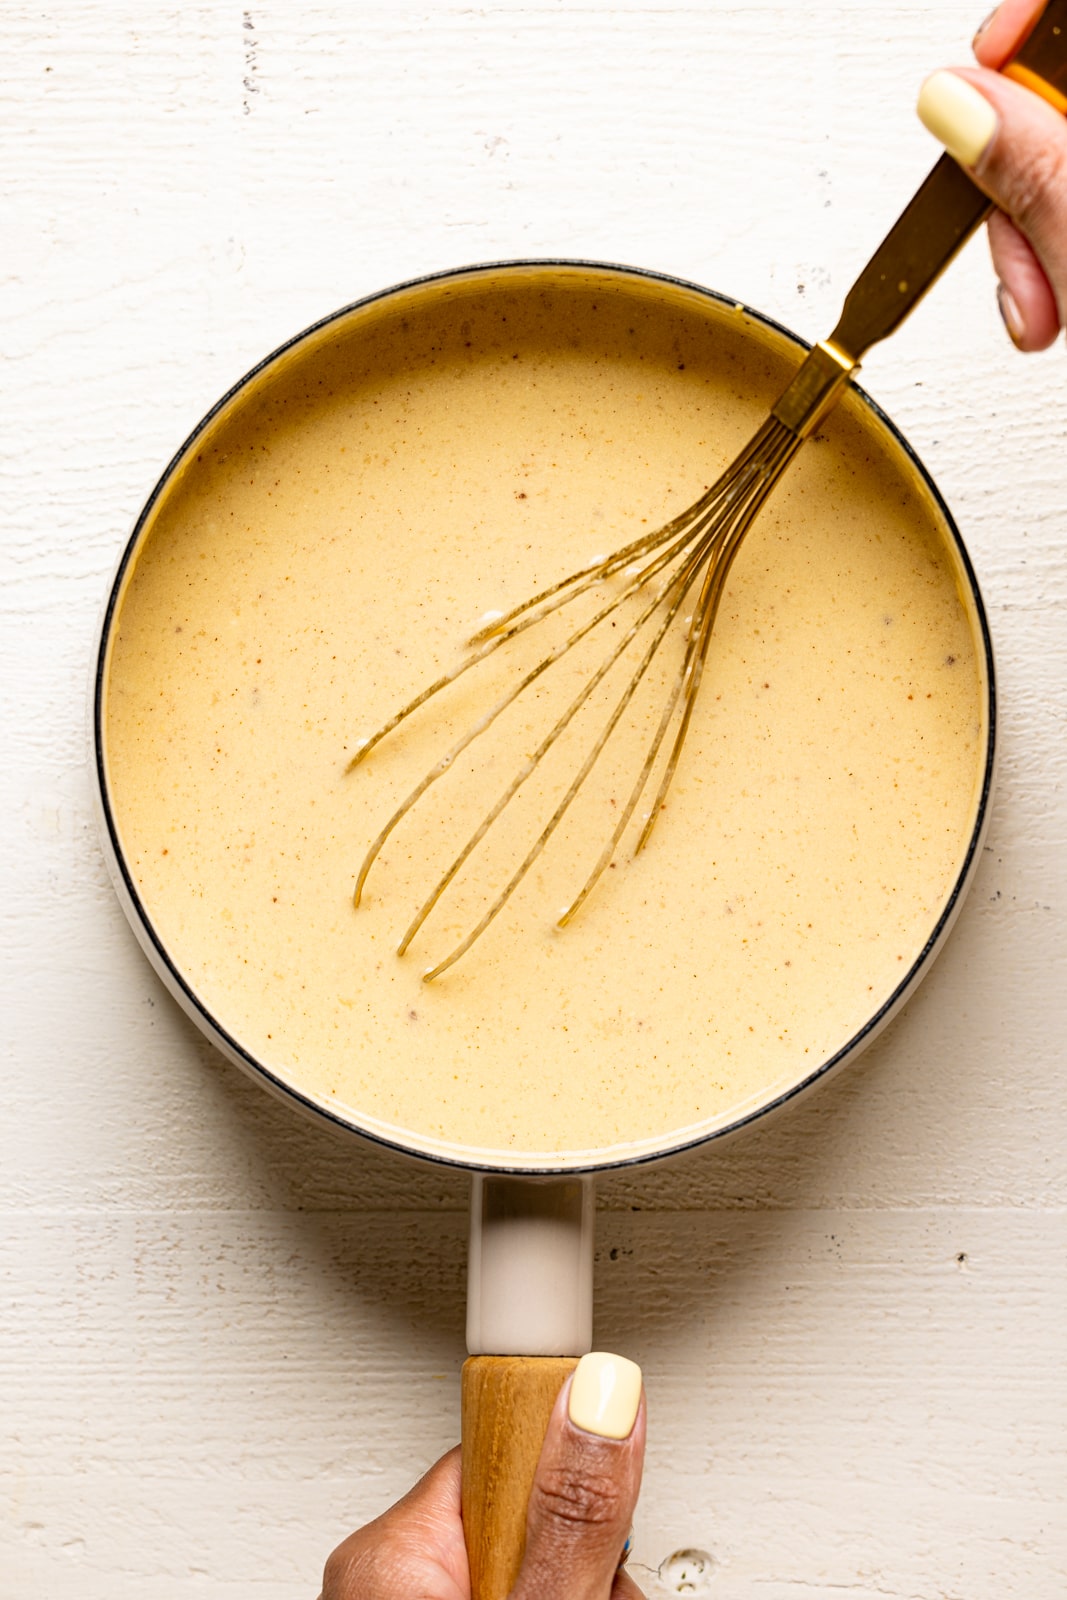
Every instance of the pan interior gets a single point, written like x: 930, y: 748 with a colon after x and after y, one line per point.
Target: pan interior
x: 319, y: 554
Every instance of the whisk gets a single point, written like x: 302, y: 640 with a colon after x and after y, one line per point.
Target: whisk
x: 689, y: 558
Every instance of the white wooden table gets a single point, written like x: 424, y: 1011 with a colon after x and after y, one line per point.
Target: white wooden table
x: 226, y: 1337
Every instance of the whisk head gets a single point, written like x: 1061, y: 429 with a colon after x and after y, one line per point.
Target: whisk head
x: 668, y: 587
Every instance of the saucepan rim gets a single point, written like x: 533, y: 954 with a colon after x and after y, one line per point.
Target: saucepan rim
x: 471, y: 1158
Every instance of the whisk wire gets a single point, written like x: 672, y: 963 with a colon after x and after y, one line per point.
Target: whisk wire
x: 605, y: 567
x: 699, y: 545
x: 645, y: 576
x: 782, y: 446
x: 674, y: 592
x: 687, y: 679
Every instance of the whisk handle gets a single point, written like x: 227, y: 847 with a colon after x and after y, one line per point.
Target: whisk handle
x: 946, y: 210
x: 930, y: 231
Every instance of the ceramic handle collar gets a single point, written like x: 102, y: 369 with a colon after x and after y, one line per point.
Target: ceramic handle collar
x: 530, y: 1269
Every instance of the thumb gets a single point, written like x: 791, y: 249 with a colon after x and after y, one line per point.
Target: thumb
x: 586, y: 1487
x: 1015, y: 145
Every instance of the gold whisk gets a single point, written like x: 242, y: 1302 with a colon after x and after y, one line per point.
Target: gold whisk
x: 694, y: 552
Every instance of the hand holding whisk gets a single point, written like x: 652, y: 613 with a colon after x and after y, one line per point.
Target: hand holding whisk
x: 673, y: 579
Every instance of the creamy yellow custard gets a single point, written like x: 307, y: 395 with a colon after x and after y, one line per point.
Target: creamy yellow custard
x: 321, y: 555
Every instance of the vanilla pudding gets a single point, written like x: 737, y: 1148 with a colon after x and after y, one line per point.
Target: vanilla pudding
x: 326, y: 545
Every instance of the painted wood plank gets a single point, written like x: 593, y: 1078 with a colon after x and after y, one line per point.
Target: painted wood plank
x: 227, y: 1336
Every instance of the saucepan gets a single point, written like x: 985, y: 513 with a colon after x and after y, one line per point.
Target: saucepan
x: 311, y: 557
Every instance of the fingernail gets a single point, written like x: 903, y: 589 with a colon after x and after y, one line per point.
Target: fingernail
x: 1011, y: 315
x: 958, y: 115
x: 983, y: 27
x: 605, y: 1395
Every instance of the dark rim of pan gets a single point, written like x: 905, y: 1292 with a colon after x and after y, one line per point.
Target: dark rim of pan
x: 476, y: 1160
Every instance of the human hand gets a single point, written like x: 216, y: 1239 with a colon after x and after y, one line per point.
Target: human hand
x: 581, y: 1506
x: 1015, y: 145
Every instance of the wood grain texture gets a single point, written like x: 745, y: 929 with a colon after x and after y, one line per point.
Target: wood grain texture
x: 227, y: 1336
x: 506, y: 1405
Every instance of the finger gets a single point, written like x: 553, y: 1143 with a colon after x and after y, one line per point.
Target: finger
x: 416, y: 1547
x: 586, y: 1487
x: 1004, y: 30
x: 623, y: 1585
x: 1015, y: 146
x: 625, y: 1588
x: 1024, y: 294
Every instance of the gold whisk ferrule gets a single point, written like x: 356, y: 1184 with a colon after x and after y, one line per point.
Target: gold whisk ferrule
x: 815, y: 388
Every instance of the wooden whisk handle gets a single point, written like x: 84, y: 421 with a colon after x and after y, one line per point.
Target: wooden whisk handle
x: 507, y: 1402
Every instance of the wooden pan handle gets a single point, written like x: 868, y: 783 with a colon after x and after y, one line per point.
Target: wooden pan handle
x: 507, y: 1401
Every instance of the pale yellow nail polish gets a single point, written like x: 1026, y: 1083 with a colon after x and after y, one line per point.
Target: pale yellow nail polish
x: 957, y: 114
x: 605, y: 1395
